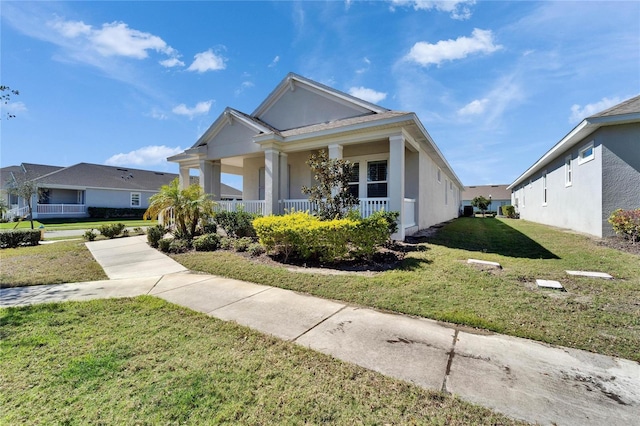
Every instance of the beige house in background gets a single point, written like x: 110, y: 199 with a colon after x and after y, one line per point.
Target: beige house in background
x: 398, y: 166
x: 498, y: 194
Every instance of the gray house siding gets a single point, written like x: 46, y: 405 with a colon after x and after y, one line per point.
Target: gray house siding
x: 576, y: 206
x: 621, y: 171
x: 117, y: 199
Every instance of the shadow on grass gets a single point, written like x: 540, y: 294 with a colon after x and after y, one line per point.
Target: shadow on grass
x: 488, y: 235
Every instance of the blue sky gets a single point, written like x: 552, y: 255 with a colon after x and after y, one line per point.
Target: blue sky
x: 496, y: 84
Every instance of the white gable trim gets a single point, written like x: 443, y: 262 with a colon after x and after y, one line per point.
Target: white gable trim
x: 292, y: 81
x: 227, y: 118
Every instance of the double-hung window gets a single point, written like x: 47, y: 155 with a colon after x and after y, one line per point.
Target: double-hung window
x: 544, y: 188
x: 135, y: 199
x: 377, y: 179
x: 354, y: 180
x: 568, y: 171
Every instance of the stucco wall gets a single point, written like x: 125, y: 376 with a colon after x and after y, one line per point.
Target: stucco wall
x: 577, y: 206
x: 302, y: 107
x: 620, y: 170
x: 232, y: 140
x: 250, y: 172
x: 114, y: 198
x: 434, y: 206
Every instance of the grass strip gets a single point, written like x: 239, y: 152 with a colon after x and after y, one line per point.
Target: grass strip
x: 145, y: 361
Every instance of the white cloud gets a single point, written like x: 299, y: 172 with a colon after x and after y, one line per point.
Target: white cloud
x: 274, y: 62
x: 172, y: 62
x: 200, y: 109
x: 365, y: 68
x: 146, y: 156
x: 243, y: 86
x: 368, y: 95
x: 425, y: 53
x: 157, y: 114
x: 207, y: 61
x: 71, y: 29
x: 475, y: 107
x: 579, y: 113
x: 459, y: 9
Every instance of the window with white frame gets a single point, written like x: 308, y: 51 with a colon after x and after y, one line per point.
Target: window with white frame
x: 135, y: 199
x: 439, y: 175
x: 354, y: 180
x: 586, y: 153
x: 446, y: 193
x: 544, y: 188
x: 568, y: 172
x: 377, y: 179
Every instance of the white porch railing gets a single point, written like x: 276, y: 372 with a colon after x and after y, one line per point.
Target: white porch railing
x: 249, y: 206
x: 367, y: 206
x: 16, y: 212
x: 60, y: 209
x: 409, y: 219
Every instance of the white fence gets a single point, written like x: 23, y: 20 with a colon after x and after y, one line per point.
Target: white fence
x: 409, y: 212
x: 60, y: 209
x: 249, y: 206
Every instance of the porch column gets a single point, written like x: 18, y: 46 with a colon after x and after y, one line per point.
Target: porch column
x: 395, y: 180
x: 210, y: 177
x: 271, y: 181
x: 184, y: 177
x: 284, y: 176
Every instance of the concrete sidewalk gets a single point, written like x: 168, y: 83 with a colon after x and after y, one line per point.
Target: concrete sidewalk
x: 521, y: 378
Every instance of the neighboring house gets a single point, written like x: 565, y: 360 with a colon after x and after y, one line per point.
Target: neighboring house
x: 498, y: 194
x: 69, y: 191
x: 398, y: 167
x: 592, y: 171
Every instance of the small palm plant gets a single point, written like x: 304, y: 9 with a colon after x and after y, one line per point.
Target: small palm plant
x: 189, y: 207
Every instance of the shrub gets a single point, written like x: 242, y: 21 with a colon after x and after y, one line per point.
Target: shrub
x: 389, y: 217
x: 155, y: 234
x: 509, y: 211
x: 179, y: 245
x: 626, y: 223
x: 209, y: 228
x: 138, y: 231
x: 164, y: 244
x: 112, y: 230
x: 236, y: 224
x: 207, y: 242
x: 89, y: 235
x: 242, y: 244
x: 226, y: 243
x: 19, y: 237
x: 255, y: 249
x: 113, y: 212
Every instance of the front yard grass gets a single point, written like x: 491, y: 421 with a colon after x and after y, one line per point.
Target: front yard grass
x: 60, y: 262
x: 75, y: 224
x: 436, y: 282
x: 145, y: 361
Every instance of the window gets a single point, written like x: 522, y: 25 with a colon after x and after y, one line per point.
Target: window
x: 439, y: 175
x: 544, y: 188
x: 586, y: 153
x: 354, y: 180
x: 568, y: 173
x: 446, y: 193
x: 377, y: 179
x: 135, y: 199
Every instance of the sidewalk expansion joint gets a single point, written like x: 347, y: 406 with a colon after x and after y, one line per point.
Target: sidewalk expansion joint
x: 450, y: 361
x: 317, y: 324
x: 239, y: 300
x: 154, y: 285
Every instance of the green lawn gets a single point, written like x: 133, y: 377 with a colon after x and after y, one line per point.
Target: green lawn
x: 145, y: 361
x: 436, y: 282
x: 61, y: 262
x: 73, y: 224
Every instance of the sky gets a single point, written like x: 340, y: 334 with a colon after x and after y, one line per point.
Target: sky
x: 495, y: 83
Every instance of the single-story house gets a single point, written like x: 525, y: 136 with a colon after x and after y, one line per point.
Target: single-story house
x: 499, y: 195
x: 398, y: 166
x: 592, y: 171
x: 69, y: 191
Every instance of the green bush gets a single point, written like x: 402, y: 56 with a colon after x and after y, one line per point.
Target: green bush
x: 226, y: 243
x: 19, y: 237
x: 112, y: 230
x: 305, y: 237
x: 164, y: 244
x: 179, y: 245
x: 626, y: 223
x: 509, y: 211
x: 155, y: 234
x: 236, y: 224
x: 89, y: 235
x: 242, y: 244
x: 255, y: 249
x: 113, y: 212
x: 207, y: 242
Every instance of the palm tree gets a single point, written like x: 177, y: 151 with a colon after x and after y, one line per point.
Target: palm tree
x: 188, y: 206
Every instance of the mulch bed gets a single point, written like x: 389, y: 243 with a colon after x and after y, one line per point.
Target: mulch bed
x: 621, y: 244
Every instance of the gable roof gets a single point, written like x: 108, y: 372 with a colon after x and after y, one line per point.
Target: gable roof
x: 497, y: 192
x: 622, y: 113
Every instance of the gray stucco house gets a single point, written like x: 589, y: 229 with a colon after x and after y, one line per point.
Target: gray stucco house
x: 67, y: 192
x: 592, y: 171
x: 398, y: 166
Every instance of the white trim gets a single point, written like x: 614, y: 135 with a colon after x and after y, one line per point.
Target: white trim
x: 568, y: 171
x: 545, y: 191
x: 582, y: 158
x: 439, y: 175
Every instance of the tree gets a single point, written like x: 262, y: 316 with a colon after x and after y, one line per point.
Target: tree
x: 6, y: 97
x: 189, y: 206
x: 331, y: 194
x: 25, y: 189
x: 480, y: 203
